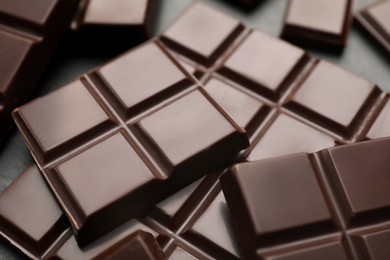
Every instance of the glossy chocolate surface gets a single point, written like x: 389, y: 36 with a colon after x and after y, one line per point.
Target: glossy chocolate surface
x: 117, y: 12
x: 30, y: 218
x: 245, y: 109
x: 373, y: 243
x: 182, y: 222
x: 124, y: 23
x: 375, y: 19
x: 268, y: 79
x: 336, y: 194
x: 288, y: 135
x: 318, y: 23
x: 126, y: 129
x: 29, y: 33
x: 139, y: 245
x: 326, y: 89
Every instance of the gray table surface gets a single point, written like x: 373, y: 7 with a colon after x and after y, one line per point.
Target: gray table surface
x: 360, y: 56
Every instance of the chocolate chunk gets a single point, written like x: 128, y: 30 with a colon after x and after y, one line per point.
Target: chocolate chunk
x: 118, y: 13
x: 138, y: 245
x: 30, y: 218
x: 339, y: 196
x: 29, y: 33
x: 288, y: 188
x: 323, y: 23
x: 106, y: 141
x: 124, y: 23
x: 375, y: 19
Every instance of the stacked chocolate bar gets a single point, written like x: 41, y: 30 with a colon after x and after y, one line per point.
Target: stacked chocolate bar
x: 129, y: 156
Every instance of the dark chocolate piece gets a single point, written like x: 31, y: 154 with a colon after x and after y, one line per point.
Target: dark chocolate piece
x: 29, y: 33
x: 138, y: 245
x: 124, y: 23
x: 30, y: 218
x: 321, y: 23
x: 375, y: 19
x: 138, y: 128
x: 195, y: 222
x: 328, y: 196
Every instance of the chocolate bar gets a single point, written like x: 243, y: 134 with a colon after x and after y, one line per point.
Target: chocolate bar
x: 135, y: 129
x: 138, y: 245
x: 29, y: 33
x: 124, y: 24
x: 323, y: 23
x: 332, y: 204
x: 375, y: 20
x: 195, y: 221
